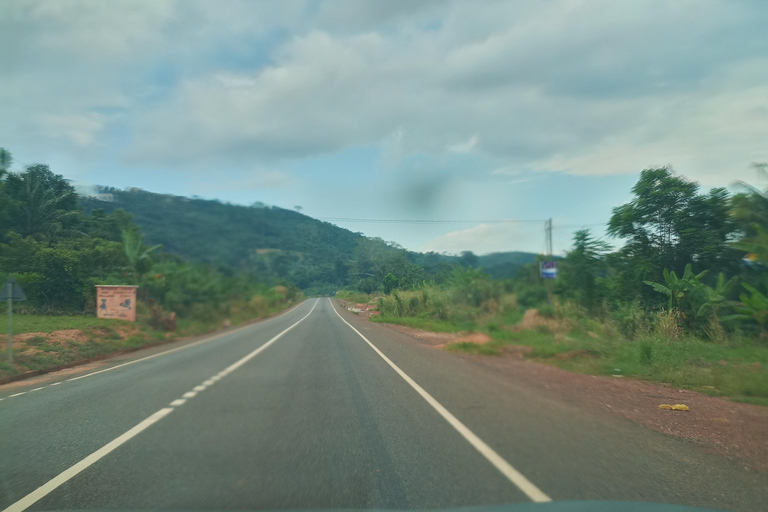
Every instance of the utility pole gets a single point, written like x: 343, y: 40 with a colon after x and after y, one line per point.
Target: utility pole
x: 548, y: 242
x: 548, y: 236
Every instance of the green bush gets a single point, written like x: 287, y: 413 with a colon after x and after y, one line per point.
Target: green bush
x: 531, y: 296
x: 630, y: 319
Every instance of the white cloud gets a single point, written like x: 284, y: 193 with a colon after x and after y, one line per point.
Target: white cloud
x: 488, y: 238
x: 579, y: 87
x: 464, y: 147
x: 79, y: 129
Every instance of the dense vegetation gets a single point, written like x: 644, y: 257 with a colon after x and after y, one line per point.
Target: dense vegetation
x: 682, y: 300
x: 272, y: 242
x: 186, y: 254
x: 58, y: 252
x: 276, y: 243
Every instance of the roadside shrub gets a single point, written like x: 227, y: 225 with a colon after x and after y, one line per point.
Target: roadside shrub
x: 508, y: 301
x: 714, y: 330
x: 413, y: 304
x: 161, y: 320
x: 531, y: 296
x: 439, y: 308
x: 570, y: 309
x: 666, y: 324
x: 425, y: 299
x: 630, y: 318
x: 259, y: 305
x: 399, y: 306
x: 491, y: 306
x: 546, y: 310
x: 645, y: 351
x: 493, y: 325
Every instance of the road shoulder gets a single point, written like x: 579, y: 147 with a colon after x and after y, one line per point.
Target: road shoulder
x: 733, y: 430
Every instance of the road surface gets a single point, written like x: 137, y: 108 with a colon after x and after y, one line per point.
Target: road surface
x: 318, y: 408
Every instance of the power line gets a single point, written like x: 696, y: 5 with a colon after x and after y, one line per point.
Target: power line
x: 580, y: 225
x: 456, y: 221
x: 428, y: 221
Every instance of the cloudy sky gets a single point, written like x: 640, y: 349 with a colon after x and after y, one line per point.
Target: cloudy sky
x: 440, y: 110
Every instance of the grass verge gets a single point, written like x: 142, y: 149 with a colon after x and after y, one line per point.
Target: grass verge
x: 43, y: 342
x: 735, y: 368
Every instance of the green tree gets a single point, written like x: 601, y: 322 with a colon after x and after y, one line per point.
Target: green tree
x: 44, y: 204
x: 469, y: 259
x: 667, y: 225
x: 5, y: 161
x: 5, y: 202
x: 61, y: 275
x: 389, y: 283
x: 582, y: 269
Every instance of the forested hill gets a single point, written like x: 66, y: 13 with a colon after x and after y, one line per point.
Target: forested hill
x: 273, y: 241
x: 215, y: 232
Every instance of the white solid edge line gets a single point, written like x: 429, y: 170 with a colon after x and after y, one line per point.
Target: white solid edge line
x: 50, y: 486
x: 234, y: 366
x: 42, y: 491
x: 513, y: 475
x: 206, y: 340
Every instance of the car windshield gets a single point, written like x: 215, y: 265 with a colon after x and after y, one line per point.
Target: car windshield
x: 383, y: 254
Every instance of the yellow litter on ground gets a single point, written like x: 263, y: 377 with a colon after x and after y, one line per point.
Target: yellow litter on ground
x: 676, y: 407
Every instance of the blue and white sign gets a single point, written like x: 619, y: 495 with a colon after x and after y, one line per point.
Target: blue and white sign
x: 549, y: 269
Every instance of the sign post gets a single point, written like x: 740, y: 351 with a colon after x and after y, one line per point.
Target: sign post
x: 116, y: 301
x: 10, y: 292
x: 548, y: 269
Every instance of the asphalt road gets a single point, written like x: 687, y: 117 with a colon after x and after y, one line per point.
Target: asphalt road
x: 303, y: 411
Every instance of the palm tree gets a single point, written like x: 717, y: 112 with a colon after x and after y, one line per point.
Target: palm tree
x: 40, y: 210
x: 139, y: 257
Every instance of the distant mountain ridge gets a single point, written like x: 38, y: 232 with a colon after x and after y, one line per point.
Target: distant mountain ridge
x: 292, y: 245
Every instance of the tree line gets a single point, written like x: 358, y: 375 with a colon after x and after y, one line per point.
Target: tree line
x: 696, y: 257
x: 58, y: 253
x: 699, y: 256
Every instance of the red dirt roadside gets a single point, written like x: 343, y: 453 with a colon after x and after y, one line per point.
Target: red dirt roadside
x: 734, y: 430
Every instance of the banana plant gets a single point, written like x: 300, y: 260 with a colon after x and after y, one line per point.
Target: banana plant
x: 706, y: 301
x: 674, y: 287
x: 139, y: 256
x: 753, y: 307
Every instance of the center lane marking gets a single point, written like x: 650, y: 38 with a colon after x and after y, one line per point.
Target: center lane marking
x: 66, y: 475
x: 513, y: 475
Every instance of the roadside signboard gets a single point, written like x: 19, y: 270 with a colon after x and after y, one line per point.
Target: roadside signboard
x: 548, y: 269
x: 12, y: 290
x: 116, y: 301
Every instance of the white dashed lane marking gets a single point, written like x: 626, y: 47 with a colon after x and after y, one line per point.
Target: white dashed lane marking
x: 233, y: 331
x: 63, y: 477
